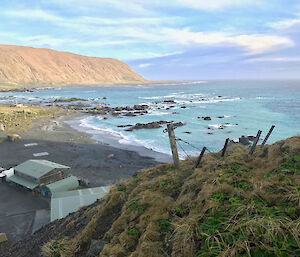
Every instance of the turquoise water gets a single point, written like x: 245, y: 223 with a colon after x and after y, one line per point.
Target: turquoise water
x: 246, y: 107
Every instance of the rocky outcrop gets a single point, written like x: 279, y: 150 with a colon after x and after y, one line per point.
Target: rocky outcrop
x: 153, y: 125
x: 13, y: 137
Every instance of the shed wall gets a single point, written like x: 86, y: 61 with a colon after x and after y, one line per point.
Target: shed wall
x: 54, y: 175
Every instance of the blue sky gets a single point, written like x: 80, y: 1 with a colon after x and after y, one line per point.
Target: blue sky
x: 166, y: 39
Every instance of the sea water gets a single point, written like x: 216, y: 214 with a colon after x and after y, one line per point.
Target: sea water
x: 245, y: 107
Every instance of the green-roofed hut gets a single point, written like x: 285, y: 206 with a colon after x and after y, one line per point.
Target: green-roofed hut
x: 66, y: 184
x: 34, y: 173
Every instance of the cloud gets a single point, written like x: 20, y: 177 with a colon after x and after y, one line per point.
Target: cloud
x: 117, y: 31
x: 281, y: 59
x: 45, y: 41
x: 149, y: 7
x: 253, y: 43
x: 144, y: 65
x: 36, y: 14
x: 286, y: 23
x: 211, y: 5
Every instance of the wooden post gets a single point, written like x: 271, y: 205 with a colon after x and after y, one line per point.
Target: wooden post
x: 200, y: 157
x: 255, y: 142
x: 267, y: 137
x: 173, y: 145
x: 225, y: 147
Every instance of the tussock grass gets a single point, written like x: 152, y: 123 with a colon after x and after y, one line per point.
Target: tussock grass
x: 20, y: 117
x: 239, y: 205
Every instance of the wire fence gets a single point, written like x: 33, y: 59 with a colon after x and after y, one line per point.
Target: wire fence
x: 181, y: 142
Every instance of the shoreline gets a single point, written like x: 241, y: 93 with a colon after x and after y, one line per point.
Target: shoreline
x: 49, y: 86
x: 100, y: 164
x: 148, y: 82
x: 103, y: 138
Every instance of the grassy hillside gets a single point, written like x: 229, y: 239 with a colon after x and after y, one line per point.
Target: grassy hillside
x: 239, y: 205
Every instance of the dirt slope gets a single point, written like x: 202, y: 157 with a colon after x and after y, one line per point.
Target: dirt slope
x: 239, y: 205
x: 30, y: 67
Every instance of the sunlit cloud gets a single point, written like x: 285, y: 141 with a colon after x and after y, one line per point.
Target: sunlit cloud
x: 281, y: 59
x: 144, y: 65
x: 254, y: 44
x: 155, y: 30
x: 286, y: 23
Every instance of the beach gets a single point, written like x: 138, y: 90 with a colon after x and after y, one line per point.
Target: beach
x: 98, y: 164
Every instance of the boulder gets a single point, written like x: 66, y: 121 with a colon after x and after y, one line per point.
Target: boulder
x: 131, y: 114
x: 13, y: 137
x: 3, y: 238
x: 2, y: 127
x: 118, y: 108
x: 244, y: 140
x: 169, y: 101
x: 110, y: 156
x: 128, y: 108
x: 141, y: 107
x: 96, y: 248
x: 178, y: 124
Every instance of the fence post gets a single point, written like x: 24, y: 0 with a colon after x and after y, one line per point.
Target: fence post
x: 171, y: 133
x: 200, y: 157
x: 267, y: 137
x: 225, y: 147
x: 255, y: 142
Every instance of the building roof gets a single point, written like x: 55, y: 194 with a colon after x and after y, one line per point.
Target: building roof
x: 38, y: 168
x: 23, y: 182
x: 66, y: 184
x: 64, y: 203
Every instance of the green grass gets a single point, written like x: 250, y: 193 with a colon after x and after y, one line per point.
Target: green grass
x: 121, y: 188
x: 136, y: 206
x: 133, y: 232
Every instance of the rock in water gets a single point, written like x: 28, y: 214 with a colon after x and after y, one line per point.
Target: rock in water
x: 13, y: 137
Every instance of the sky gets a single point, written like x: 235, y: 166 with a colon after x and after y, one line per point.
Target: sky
x: 166, y: 39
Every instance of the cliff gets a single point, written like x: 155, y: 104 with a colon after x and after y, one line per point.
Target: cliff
x: 29, y: 67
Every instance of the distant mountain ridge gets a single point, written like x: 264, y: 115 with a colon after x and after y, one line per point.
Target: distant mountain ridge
x: 22, y: 67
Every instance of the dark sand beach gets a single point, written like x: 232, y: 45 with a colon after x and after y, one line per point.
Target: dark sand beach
x: 99, y: 164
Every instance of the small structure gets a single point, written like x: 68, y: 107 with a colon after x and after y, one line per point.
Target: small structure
x: 64, y: 203
x: 9, y: 172
x: 69, y: 183
x: 34, y: 173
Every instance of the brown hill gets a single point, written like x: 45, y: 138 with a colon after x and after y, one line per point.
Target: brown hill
x: 36, y: 67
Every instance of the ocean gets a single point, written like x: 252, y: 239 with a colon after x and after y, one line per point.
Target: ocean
x: 236, y: 108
